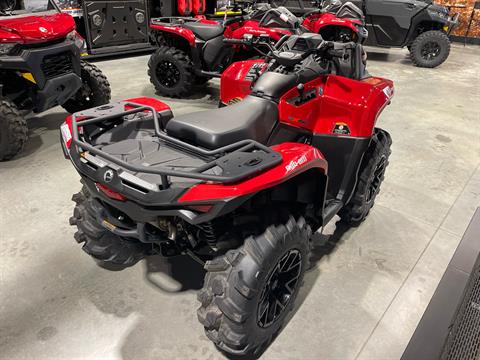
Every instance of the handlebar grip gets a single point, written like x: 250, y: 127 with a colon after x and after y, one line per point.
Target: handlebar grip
x: 338, y: 54
x: 235, y: 41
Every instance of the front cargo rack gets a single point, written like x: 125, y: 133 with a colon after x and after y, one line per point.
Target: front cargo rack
x: 237, y: 161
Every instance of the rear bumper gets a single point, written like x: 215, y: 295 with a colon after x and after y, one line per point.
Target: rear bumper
x: 142, y: 213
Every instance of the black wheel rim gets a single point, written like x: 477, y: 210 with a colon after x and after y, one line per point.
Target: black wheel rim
x: 430, y: 50
x: 168, y: 74
x: 377, y: 178
x: 279, y: 289
x: 86, y: 92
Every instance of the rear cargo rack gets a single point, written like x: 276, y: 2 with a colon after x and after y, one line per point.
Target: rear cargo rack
x: 238, y: 161
x: 172, y: 20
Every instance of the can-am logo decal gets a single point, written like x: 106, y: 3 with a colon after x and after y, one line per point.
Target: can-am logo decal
x: 42, y: 29
x: 341, y: 129
x: 108, y: 176
x: 296, y: 163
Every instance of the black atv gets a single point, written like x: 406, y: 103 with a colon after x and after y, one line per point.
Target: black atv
x: 40, y: 68
x: 421, y: 26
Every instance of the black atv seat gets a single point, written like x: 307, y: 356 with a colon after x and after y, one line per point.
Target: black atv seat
x: 253, y: 118
x: 204, y: 31
x: 274, y: 85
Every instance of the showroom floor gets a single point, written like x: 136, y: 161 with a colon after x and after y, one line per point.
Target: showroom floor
x: 362, y: 299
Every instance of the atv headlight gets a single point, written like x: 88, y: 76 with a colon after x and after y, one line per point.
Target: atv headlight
x: 439, y: 10
x: 79, y: 42
x: 5, y: 48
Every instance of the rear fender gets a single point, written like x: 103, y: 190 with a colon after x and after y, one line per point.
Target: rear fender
x: 184, y: 33
x: 296, y: 159
x: 156, y: 104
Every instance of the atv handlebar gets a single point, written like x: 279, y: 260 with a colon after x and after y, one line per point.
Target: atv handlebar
x: 290, y: 58
x: 236, y: 41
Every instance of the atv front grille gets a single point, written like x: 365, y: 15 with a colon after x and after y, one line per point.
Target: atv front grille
x: 57, y: 65
x: 463, y: 342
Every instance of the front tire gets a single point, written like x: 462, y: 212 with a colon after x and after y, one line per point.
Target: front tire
x: 249, y: 291
x: 171, y: 72
x: 430, y: 49
x: 98, y: 242
x: 13, y: 130
x: 95, y: 90
x: 370, y: 178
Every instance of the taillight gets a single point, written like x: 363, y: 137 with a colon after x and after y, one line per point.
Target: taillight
x: 66, y: 130
x: 110, y: 193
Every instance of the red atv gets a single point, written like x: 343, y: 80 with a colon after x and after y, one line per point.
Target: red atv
x: 240, y: 78
x: 40, y: 68
x: 240, y: 189
x: 191, y: 50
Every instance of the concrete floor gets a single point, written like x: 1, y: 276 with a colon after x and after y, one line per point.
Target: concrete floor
x: 363, y: 298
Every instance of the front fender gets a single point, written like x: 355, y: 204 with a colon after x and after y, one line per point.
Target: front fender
x: 296, y: 159
x: 435, y: 17
x: 236, y: 80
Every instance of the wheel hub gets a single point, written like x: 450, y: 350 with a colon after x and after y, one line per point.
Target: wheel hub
x: 279, y: 288
x: 168, y: 74
x: 430, y: 50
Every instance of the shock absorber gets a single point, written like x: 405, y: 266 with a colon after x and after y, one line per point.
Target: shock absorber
x: 208, y: 229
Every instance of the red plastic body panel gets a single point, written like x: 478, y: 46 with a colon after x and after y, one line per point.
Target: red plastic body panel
x: 156, y: 104
x: 316, y: 22
x: 36, y: 28
x: 184, y: 7
x: 180, y: 31
x: 239, y: 29
x: 8, y: 37
x: 198, y: 7
x: 356, y: 103
x: 339, y: 100
x: 233, y: 83
x: 296, y: 158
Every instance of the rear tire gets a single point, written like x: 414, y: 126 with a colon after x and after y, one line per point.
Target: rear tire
x: 238, y: 287
x: 171, y: 72
x: 430, y: 49
x: 371, y: 175
x: 13, y: 130
x: 95, y: 90
x: 99, y: 243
